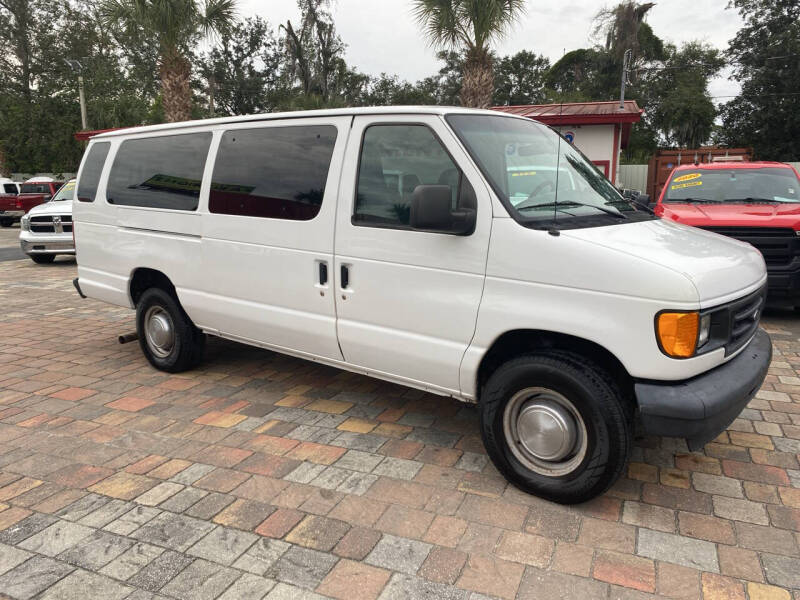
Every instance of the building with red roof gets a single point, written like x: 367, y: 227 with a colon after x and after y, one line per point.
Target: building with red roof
x: 600, y: 130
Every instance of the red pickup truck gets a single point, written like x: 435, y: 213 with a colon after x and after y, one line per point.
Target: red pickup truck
x: 755, y: 202
x: 32, y: 193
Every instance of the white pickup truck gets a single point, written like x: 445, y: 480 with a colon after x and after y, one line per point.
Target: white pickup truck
x: 46, y: 231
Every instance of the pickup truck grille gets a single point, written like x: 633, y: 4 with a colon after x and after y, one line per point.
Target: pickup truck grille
x: 777, y: 245
x: 51, y: 224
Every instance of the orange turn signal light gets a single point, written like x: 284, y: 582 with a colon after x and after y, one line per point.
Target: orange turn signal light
x: 677, y: 333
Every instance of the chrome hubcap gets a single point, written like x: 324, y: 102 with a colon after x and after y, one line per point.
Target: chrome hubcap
x: 545, y: 431
x: 159, y: 331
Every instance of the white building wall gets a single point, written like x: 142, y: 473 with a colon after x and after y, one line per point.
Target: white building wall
x: 595, y: 141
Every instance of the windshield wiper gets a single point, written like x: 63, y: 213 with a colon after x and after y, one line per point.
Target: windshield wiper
x: 754, y: 200
x: 694, y: 201
x: 608, y: 211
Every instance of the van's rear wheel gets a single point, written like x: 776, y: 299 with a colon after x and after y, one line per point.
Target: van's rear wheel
x: 167, y: 336
x: 42, y: 259
x: 556, y: 426
x: 6, y: 222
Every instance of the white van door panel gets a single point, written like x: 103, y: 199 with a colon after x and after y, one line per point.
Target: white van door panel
x: 261, y: 275
x: 411, y: 301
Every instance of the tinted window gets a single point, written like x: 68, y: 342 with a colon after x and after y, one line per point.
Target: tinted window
x: 395, y: 159
x: 159, y: 172
x: 90, y: 176
x: 10, y: 188
x: 274, y: 172
x: 35, y: 188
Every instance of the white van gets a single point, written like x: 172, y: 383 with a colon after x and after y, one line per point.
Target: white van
x: 564, y: 315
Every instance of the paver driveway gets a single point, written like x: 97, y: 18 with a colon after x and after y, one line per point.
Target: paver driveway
x: 265, y: 476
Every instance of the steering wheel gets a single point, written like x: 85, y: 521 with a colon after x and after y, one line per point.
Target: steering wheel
x: 541, y: 187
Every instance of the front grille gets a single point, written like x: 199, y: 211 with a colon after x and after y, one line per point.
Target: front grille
x: 744, y: 318
x: 778, y: 245
x: 51, y: 224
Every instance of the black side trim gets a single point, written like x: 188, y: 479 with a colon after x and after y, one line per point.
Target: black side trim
x: 78, y: 287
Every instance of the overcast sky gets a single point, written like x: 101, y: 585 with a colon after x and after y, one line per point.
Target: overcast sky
x: 381, y: 35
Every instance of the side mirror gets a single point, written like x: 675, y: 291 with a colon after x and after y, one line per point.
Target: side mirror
x: 47, y: 197
x: 642, y: 199
x: 431, y: 210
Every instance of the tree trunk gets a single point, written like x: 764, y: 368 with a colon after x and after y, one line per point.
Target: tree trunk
x: 175, y: 91
x: 477, y: 85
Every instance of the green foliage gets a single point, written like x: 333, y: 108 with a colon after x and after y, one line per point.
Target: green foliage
x: 252, y: 66
x: 766, y: 115
x: 520, y: 79
x: 243, y: 71
x: 469, y: 27
x: 682, y: 110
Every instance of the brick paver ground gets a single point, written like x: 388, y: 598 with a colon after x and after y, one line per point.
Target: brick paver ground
x: 263, y: 476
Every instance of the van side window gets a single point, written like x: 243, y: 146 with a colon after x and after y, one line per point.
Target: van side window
x: 395, y: 159
x: 92, y: 168
x: 272, y: 172
x: 159, y: 172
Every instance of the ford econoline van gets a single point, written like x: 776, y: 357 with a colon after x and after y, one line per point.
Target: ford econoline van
x: 399, y: 243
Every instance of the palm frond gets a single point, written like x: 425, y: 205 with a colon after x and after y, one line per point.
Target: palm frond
x: 440, y: 21
x: 218, y: 16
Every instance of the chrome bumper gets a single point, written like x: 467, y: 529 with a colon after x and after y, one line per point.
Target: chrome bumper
x: 47, y: 245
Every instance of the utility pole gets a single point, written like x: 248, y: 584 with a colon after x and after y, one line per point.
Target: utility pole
x: 626, y: 59
x: 78, y: 68
x: 212, y: 82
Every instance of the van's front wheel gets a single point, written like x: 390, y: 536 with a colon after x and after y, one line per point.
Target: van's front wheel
x: 556, y: 426
x: 167, y: 336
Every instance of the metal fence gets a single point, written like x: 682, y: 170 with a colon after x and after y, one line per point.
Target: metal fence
x: 633, y: 177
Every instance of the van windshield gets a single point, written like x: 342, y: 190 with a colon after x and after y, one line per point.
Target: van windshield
x: 768, y: 185
x: 542, y: 179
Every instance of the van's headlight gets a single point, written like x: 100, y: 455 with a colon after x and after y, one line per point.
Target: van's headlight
x: 25, y: 223
x: 678, y: 333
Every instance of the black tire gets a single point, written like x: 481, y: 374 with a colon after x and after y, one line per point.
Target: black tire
x: 189, y: 342
x: 6, y: 222
x: 603, y: 409
x: 42, y: 259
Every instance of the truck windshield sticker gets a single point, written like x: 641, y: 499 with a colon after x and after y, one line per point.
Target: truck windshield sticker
x: 680, y: 186
x: 687, y: 177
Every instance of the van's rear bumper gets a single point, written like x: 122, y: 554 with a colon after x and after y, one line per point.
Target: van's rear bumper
x: 701, y: 408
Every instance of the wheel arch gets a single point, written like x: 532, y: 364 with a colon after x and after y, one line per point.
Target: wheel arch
x: 143, y: 278
x: 516, y: 342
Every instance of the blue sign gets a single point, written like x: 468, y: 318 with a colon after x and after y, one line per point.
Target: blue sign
x: 569, y: 136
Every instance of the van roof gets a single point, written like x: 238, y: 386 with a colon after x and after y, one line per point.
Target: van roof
x: 305, y: 114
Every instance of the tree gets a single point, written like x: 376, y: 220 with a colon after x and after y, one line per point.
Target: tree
x: 176, y: 25
x: 766, y: 51
x: 680, y: 106
x: 315, y: 51
x: 244, y: 71
x: 519, y: 79
x: 469, y: 26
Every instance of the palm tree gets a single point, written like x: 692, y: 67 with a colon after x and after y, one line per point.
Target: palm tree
x: 175, y: 25
x: 621, y: 25
x: 469, y: 26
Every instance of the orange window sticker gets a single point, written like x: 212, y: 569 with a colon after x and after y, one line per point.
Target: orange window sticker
x: 687, y: 177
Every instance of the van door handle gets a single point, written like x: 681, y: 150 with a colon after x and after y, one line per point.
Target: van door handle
x: 323, y: 273
x: 345, y: 279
